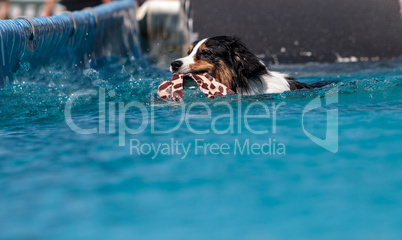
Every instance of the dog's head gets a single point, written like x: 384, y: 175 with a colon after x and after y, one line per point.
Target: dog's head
x: 225, y: 58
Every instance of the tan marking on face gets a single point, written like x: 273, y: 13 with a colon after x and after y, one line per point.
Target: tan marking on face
x: 224, y: 74
x: 190, y: 49
x: 202, y: 47
x: 202, y: 66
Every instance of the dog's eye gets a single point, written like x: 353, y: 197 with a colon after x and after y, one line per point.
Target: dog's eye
x: 205, y: 54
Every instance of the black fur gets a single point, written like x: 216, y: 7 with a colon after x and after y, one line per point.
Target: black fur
x: 243, y: 64
x: 236, y: 56
x: 294, y: 85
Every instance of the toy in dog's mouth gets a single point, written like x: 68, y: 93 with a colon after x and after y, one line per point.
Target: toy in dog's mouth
x: 173, y: 89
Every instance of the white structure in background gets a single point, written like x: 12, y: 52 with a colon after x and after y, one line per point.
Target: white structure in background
x: 400, y: 8
x: 165, y: 29
x: 30, y: 8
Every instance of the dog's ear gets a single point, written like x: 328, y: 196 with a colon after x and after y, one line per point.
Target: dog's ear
x: 245, y: 64
x: 246, y: 61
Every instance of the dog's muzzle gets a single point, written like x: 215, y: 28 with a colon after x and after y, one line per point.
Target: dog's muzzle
x: 175, y: 66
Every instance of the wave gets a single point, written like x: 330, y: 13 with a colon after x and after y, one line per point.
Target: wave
x: 42, y: 96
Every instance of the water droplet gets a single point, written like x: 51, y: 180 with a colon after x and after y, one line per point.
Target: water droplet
x: 112, y: 93
x: 123, y: 69
x: 51, y: 84
x: 42, y: 70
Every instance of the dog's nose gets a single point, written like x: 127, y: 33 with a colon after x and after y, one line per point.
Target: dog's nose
x: 176, y: 65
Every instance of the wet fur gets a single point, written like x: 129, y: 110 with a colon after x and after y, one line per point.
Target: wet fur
x: 232, y: 63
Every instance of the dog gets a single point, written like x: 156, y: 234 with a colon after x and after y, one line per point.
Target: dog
x: 228, y: 60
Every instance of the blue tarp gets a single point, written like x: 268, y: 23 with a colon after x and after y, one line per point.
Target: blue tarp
x: 109, y: 30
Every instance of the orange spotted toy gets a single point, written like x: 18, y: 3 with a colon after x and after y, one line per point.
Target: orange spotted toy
x: 173, y: 89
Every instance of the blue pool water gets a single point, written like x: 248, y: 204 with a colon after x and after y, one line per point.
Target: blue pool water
x: 56, y: 183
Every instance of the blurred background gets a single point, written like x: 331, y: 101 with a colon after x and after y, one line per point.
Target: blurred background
x: 288, y: 31
x: 278, y: 31
x: 11, y: 9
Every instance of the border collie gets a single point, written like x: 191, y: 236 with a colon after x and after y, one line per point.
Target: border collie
x: 231, y: 63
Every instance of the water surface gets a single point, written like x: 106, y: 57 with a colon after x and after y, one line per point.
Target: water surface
x: 58, y: 184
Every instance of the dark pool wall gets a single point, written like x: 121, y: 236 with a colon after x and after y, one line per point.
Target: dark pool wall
x: 294, y: 31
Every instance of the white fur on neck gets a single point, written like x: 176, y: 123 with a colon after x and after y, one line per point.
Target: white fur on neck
x: 272, y: 82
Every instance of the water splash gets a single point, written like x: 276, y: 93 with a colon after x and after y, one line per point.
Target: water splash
x: 43, y: 95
